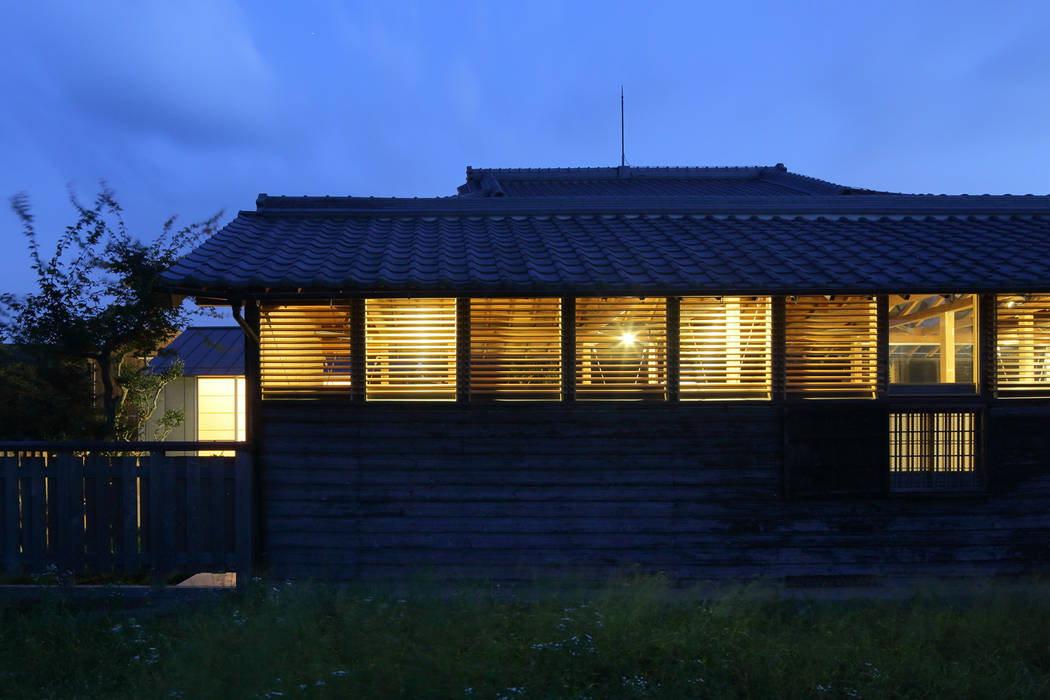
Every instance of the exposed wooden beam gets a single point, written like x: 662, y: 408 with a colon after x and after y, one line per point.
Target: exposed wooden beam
x: 966, y: 302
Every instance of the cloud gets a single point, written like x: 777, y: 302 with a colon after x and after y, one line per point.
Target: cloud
x: 189, y: 72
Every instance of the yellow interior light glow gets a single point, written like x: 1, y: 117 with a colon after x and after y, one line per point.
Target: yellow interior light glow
x: 628, y: 338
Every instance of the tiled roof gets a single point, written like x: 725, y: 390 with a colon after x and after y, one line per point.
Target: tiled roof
x: 601, y: 246
x: 206, y: 350
x: 643, y: 182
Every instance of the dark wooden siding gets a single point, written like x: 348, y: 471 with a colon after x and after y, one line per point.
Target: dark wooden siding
x: 522, y: 490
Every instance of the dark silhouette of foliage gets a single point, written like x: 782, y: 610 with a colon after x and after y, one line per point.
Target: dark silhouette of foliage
x: 99, y: 302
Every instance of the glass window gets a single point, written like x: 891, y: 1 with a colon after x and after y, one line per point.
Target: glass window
x: 410, y: 349
x: 831, y: 346
x: 515, y: 349
x: 220, y: 411
x: 725, y: 348
x: 621, y: 348
x: 931, y: 339
x: 1023, y: 344
x: 304, y: 351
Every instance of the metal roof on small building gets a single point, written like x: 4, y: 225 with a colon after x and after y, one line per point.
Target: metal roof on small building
x: 829, y: 239
x: 205, y: 351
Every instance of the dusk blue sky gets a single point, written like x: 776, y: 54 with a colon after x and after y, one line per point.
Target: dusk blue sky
x: 191, y: 107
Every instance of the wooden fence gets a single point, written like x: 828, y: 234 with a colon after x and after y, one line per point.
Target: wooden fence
x: 126, y: 509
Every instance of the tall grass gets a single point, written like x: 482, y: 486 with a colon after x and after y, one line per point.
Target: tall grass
x: 632, y: 639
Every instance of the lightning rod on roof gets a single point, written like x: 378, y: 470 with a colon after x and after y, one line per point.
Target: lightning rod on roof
x: 623, y: 158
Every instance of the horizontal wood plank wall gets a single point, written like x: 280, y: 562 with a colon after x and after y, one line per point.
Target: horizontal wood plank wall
x: 517, y: 491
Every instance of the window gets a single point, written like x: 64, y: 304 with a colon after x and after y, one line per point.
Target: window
x: 831, y: 346
x: 725, y: 348
x: 931, y: 340
x: 304, y: 351
x: 220, y: 411
x: 1022, y: 364
x: 410, y: 349
x: 933, y: 451
x: 621, y: 348
x: 515, y: 349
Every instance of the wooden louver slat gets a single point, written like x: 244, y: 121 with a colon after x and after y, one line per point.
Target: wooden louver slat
x: 621, y: 348
x: 304, y: 351
x: 515, y: 349
x: 1023, y: 344
x: 725, y: 347
x: 831, y: 346
x: 410, y: 349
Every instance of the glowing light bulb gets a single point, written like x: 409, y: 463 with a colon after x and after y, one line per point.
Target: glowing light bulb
x: 628, y: 338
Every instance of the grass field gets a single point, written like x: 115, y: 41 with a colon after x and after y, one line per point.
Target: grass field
x: 632, y: 639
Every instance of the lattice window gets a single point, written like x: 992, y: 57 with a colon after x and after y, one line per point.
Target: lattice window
x: 933, y: 451
x: 725, y: 348
x: 621, y: 346
x: 831, y: 346
x: 515, y: 349
x: 410, y: 347
x: 1023, y: 344
x: 304, y: 351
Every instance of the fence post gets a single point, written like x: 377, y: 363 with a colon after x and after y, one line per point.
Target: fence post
x: 34, y: 518
x: 244, y: 525
x: 157, y: 520
x: 10, y: 496
x: 129, y: 503
x: 68, y: 528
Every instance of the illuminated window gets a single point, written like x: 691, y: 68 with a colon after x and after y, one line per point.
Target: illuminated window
x: 515, y: 349
x: 1023, y: 344
x: 220, y: 411
x: 621, y: 348
x: 410, y: 347
x: 304, y: 351
x: 725, y: 348
x: 831, y: 346
x: 933, y: 451
x: 932, y: 339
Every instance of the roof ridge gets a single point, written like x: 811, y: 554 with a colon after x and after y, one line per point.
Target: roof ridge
x: 614, y: 170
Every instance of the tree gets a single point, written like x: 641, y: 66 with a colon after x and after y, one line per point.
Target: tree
x: 99, y: 301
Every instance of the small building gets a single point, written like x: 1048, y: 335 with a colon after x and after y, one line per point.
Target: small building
x: 713, y: 372
x: 210, y: 392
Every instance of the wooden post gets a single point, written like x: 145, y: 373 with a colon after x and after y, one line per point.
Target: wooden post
x: 10, y: 496
x: 986, y: 330
x: 243, y: 517
x: 462, y: 349
x: 252, y: 377
x: 358, y: 351
x: 778, y: 347
x: 674, y: 316
x: 948, y: 347
x: 882, y: 352
x: 568, y: 349
x: 256, y: 437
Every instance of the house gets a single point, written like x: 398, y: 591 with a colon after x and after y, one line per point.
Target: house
x: 210, y: 392
x: 722, y: 373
